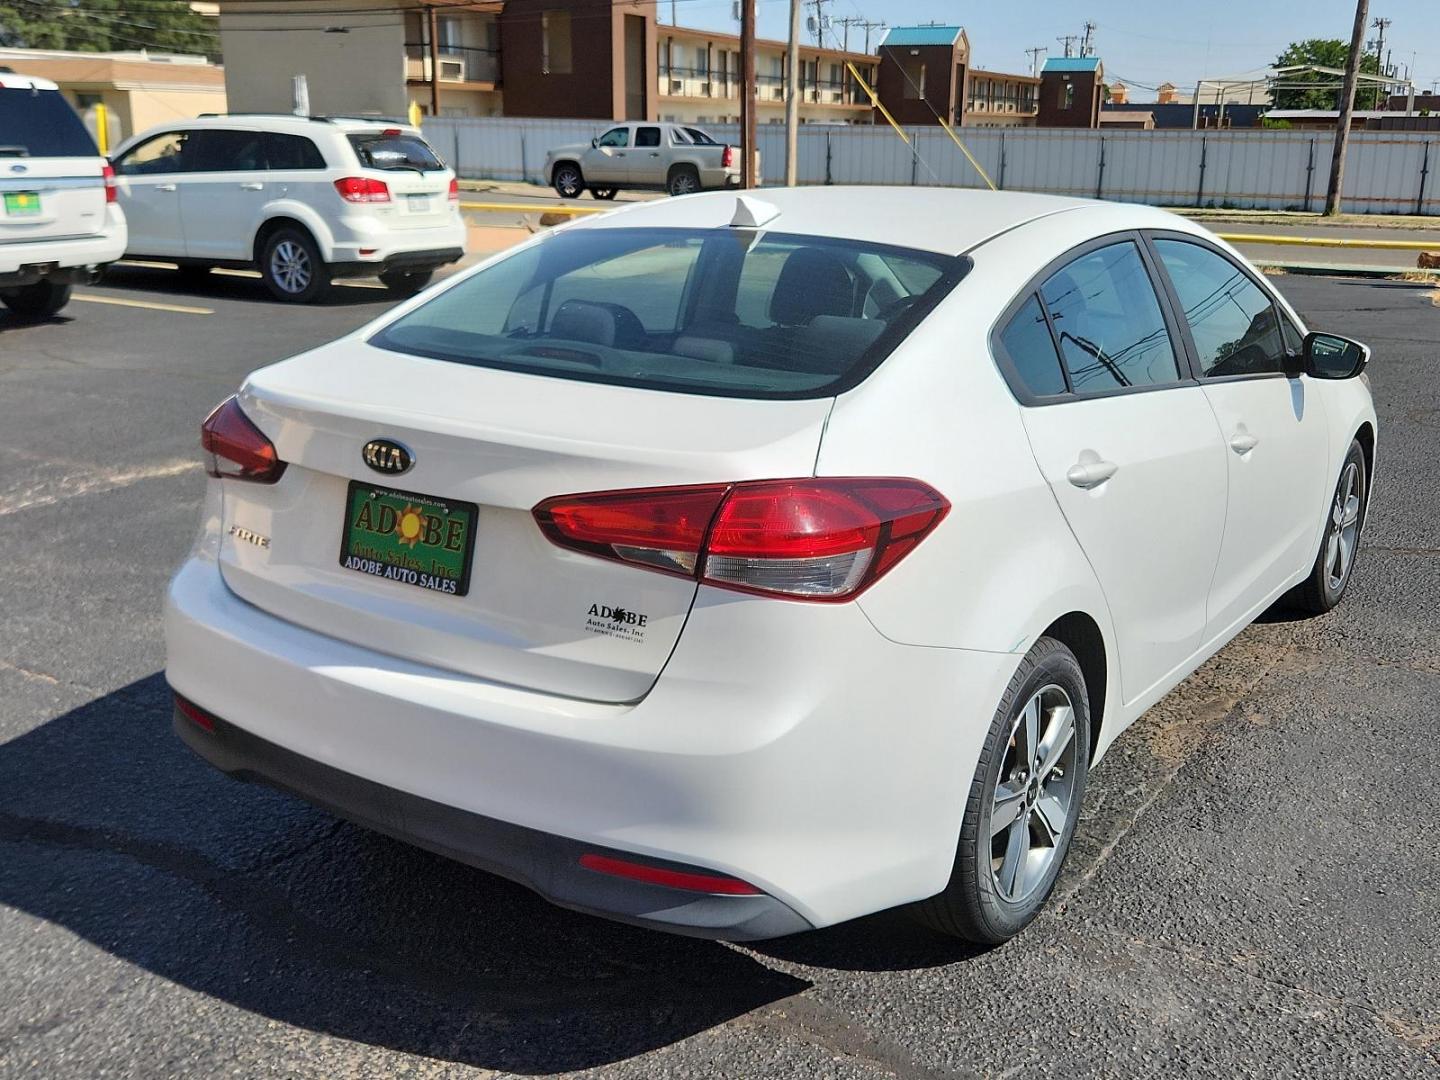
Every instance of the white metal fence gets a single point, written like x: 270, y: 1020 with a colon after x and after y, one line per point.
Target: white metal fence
x: 1386, y: 172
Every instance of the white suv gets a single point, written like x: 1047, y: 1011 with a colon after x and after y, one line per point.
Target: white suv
x: 303, y: 199
x: 58, y: 219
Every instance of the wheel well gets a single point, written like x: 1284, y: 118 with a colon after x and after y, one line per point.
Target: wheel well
x: 565, y: 161
x: 263, y: 234
x: 1081, y: 635
x: 681, y: 166
x: 1366, y: 438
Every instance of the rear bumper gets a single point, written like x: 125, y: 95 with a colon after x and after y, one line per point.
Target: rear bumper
x: 411, y: 261
x: 75, y: 260
x: 548, y: 864
x: 369, y: 244
x: 790, y: 746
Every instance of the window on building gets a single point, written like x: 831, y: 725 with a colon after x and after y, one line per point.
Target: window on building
x: 1067, y: 95
x: 914, y: 71
x: 555, y: 42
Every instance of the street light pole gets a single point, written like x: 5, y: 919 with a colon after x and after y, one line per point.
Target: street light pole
x: 1347, y: 110
x: 747, y: 93
x: 792, y: 97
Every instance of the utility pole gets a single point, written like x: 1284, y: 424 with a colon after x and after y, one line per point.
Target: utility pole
x: 434, y: 62
x: 1347, y: 110
x: 747, y: 93
x: 792, y: 97
x: 845, y: 25
x: 1086, y: 46
x: 872, y: 26
x: 1035, y: 54
x: 1068, y: 41
x: 820, y: 19
x: 1380, y: 24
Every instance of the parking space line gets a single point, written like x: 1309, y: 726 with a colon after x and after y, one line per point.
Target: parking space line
x: 148, y: 305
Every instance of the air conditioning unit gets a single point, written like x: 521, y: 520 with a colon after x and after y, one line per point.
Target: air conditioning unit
x: 837, y: 97
x: 677, y: 86
x: 778, y: 93
x: 452, y: 70
x: 707, y: 89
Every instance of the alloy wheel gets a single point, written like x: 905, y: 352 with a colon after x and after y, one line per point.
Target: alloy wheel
x: 568, y: 181
x: 685, y: 183
x: 1344, y: 528
x: 1034, y: 796
x: 290, y: 266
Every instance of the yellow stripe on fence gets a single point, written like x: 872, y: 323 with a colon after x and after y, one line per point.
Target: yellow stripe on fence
x: 534, y: 208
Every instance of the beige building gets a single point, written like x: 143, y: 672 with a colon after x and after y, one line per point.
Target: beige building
x: 138, y: 89
x: 995, y: 99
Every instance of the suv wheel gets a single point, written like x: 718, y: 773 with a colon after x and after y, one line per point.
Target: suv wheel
x: 36, y: 302
x: 406, y: 283
x: 292, y: 268
x: 1024, y: 802
x: 568, y: 181
x: 683, y: 181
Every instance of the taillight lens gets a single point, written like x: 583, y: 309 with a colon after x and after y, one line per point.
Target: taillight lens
x: 362, y: 189
x: 728, y: 157
x: 237, y: 449
x: 825, y: 538
x: 454, y: 190
x: 108, y: 172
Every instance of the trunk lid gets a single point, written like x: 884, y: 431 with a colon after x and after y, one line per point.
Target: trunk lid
x: 535, y: 616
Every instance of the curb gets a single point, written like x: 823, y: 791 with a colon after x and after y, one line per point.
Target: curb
x: 1347, y: 270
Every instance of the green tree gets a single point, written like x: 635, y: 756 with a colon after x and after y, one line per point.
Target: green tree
x: 1326, y: 52
x: 106, y: 26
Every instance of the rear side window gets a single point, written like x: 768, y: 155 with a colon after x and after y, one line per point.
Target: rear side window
x: 394, y: 150
x: 218, y: 150
x: 724, y: 313
x: 41, y: 124
x: 1232, y: 322
x: 1031, y: 351
x: 1108, y: 321
x: 291, y: 152
x: 647, y: 136
x: 698, y: 136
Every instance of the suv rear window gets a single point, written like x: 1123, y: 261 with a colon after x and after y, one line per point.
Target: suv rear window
x: 41, y: 123
x: 715, y: 311
x: 382, y: 150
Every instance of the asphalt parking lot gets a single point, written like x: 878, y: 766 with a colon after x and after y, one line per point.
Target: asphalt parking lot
x: 1253, y: 891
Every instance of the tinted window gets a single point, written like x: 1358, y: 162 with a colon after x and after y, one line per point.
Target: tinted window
x: 291, y: 152
x: 1107, y: 318
x: 616, y: 137
x: 647, y: 136
x: 40, y: 123
x: 394, y: 150
x: 215, y: 150
x: 700, y: 137
x: 1031, y: 350
x: 157, y: 155
x: 682, y: 309
x: 1232, y: 321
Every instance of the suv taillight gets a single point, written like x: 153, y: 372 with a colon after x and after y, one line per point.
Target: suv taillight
x: 727, y: 159
x: 108, y: 172
x: 362, y: 189
x: 823, y: 538
x: 237, y: 449
x: 454, y: 190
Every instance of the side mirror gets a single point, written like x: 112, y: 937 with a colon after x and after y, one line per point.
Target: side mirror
x: 1330, y: 356
x: 595, y: 142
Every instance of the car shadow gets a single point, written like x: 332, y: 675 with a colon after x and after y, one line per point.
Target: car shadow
x: 235, y: 285
x: 11, y: 322
x: 113, y: 830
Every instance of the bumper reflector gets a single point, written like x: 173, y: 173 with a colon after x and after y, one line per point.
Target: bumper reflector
x: 196, y: 715
x: 672, y: 879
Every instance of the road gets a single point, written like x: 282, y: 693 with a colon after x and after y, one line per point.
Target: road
x: 1252, y: 893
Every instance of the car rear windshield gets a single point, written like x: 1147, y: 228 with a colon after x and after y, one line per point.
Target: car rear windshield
x: 394, y: 150
x: 40, y: 123
x: 724, y: 312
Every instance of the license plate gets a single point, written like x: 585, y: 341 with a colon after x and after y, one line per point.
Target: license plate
x: 418, y: 204
x: 22, y: 203
x: 413, y: 539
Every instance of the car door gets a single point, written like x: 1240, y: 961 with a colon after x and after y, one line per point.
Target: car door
x: 147, y: 181
x: 1273, y: 425
x: 648, y: 159
x: 608, y: 160
x: 1128, y: 444
x: 222, y: 193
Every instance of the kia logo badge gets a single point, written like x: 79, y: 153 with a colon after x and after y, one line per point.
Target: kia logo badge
x: 387, y: 456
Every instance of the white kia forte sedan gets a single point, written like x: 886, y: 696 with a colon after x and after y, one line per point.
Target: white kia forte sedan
x: 736, y: 566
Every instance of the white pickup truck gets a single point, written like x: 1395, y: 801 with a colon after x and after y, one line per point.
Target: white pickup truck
x: 677, y: 158
x: 59, y: 222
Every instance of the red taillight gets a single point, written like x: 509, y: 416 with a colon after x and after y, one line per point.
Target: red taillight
x: 362, y: 189
x: 454, y: 190
x: 825, y: 538
x: 196, y: 715
x: 728, y: 157
x: 714, y: 884
x: 108, y: 172
x: 238, y: 449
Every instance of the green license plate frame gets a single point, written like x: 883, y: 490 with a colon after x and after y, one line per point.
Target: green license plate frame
x: 419, y: 540
x: 22, y: 203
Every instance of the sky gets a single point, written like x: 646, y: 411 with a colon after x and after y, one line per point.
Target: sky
x: 1141, y: 42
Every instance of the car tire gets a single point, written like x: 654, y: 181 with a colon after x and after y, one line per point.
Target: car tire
x: 292, y: 268
x: 1032, y: 771
x: 683, y: 180
x: 1340, y: 544
x: 567, y: 181
x: 604, y: 193
x: 37, y: 302
x: 406, y: 283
